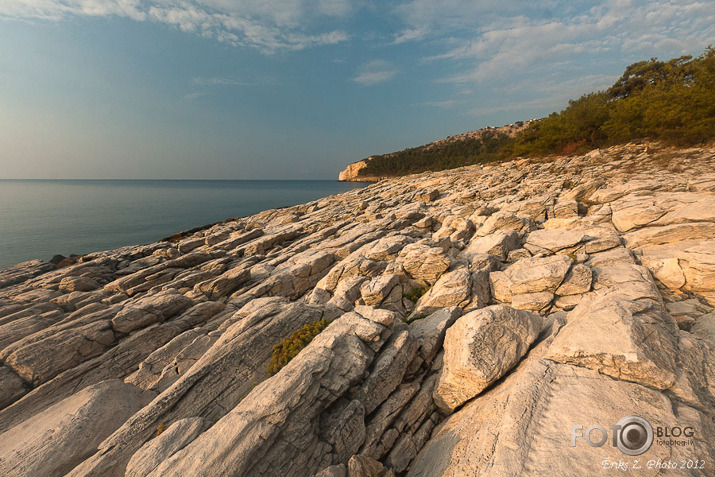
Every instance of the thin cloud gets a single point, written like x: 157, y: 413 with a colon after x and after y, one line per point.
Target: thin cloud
x: 194, y: 95
x: 219, y: 82
x: 447, y: 104
x: 375, y: 72
x: 410, y: 34
x: 268, y: 25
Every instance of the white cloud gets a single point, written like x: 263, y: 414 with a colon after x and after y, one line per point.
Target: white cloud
x: 500, y: 40
x: 267, y: 25
x: 410, y: 34
x: 374, y: 72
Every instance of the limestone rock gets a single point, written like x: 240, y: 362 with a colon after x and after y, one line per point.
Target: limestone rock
x: 41, y: 360
x: 649, y: 236
x: 149, y: 309
x: 621, y: 238
x: 166, y: 444
x: 429, y: 332
x: 620, y: 337
x: 70, y: 284
x: 225, y: 284
x: 533, y: 275
x: 503, y: 222
x: 378, y: 289
x: 388, y: 370
x: 577, y: 281
x: 424, y: 262
x: 248, y: 438
x: 428, y: 196
x: 497, y: 435
x: 363, y: 466
x: 537, y: 302
x: 55, y: 440
x: 480, y: 348
x: 553, y: 240
x: 451, y: 289
x: 12, y: 387
x: 497, y: 243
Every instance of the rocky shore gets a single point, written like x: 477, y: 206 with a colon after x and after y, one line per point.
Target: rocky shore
x: 475, y: 316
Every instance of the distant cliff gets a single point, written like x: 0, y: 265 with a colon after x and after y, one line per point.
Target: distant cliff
x: 665, y: 101
x: 472, y: 147
x: 350, y: 173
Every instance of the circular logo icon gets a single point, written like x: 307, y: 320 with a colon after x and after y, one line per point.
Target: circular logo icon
x: 635, y: 436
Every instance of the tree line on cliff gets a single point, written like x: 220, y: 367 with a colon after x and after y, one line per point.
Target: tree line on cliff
x: 668, y: 101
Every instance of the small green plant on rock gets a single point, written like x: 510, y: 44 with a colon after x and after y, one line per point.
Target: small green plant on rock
x: 160, y: 429
x: 289, y: 348
x: 415, y: 294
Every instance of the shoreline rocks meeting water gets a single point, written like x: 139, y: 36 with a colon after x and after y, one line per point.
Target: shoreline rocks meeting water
x: 474, y: 317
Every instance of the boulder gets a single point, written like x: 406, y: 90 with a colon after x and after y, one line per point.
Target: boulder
x: 224, y: 284
x: 526, y: 422
x: 537, y: 302
x: 481, y: 347
x: 497, y: 243
x: 532, y: 275
x: 12, y: 387
x: 424, y: 262
x: 375, y: 291
x: 429, y: 332
x: 70, y: 284
x: 553, y: 240
x: 451, y: 289
x: 364, y: 466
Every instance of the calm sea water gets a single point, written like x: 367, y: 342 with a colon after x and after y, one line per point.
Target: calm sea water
x: 41, y: 218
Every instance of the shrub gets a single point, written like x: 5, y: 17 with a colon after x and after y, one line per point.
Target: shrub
x: 289, y: 348
x: 415, y: 294
x: 669, y: 101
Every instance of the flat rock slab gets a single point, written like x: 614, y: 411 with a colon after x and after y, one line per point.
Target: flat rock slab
x: 57, y: 439
x: 621, y: 337
x: 553, y: 240
x: 523, y: 427
x: 536, y: 274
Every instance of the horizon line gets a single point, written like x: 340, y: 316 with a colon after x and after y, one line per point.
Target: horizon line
x: 167, y: 180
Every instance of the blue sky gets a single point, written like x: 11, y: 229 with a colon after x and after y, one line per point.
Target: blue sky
x: 296, y: 89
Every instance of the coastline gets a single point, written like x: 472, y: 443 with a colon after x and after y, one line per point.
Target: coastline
x: 50, y: 217
x: 598, y: 268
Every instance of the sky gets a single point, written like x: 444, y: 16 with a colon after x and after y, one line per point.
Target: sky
x: 297, y: 89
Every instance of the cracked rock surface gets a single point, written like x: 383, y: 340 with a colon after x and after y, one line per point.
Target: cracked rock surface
x: 475, y: 315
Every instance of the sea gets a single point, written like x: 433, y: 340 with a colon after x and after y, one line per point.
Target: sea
x: 43, y: 218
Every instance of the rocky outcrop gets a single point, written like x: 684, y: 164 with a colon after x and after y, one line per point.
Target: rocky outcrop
x: 55, y: 440
x: 474, y: 316
x: 352, y: 173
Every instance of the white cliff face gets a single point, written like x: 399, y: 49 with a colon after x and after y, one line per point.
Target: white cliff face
x: 351, y: 173
x: 475, y: 315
